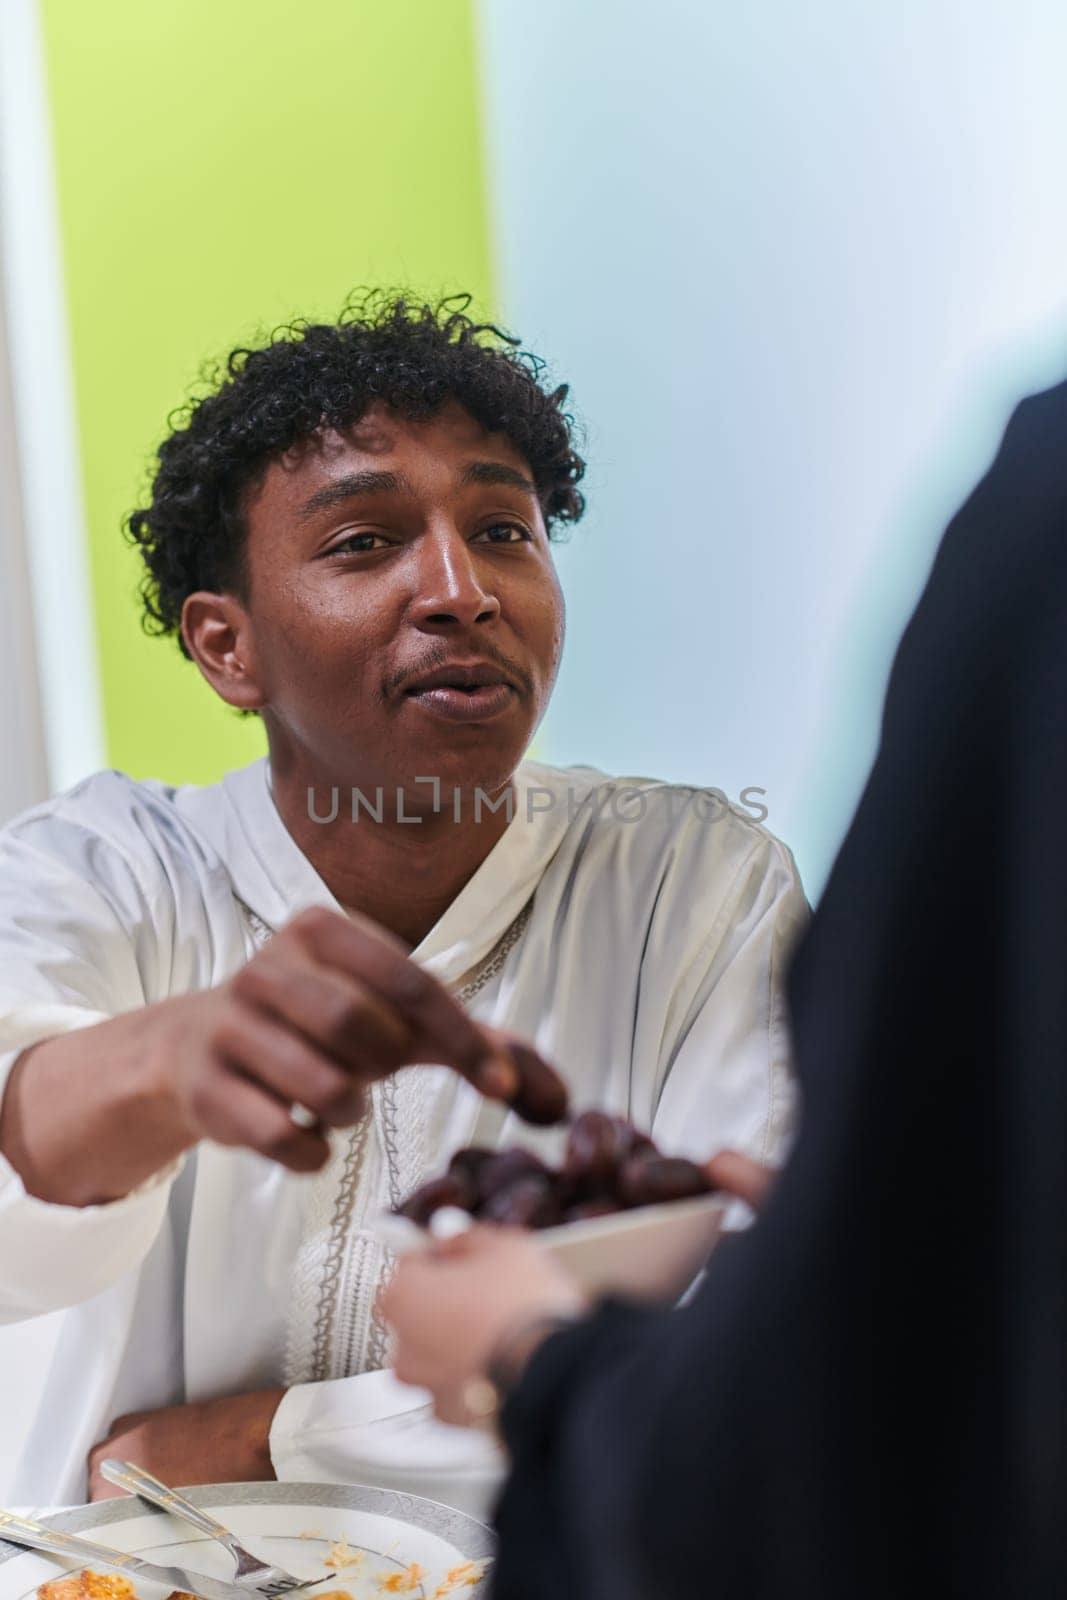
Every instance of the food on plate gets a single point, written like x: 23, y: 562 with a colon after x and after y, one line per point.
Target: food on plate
x: 410, y: 1580
x: 405, y: 1582
x: 608, y: 1166
x: 465, y: 1576
x: 87, y: 1585
x: 340, y: 1555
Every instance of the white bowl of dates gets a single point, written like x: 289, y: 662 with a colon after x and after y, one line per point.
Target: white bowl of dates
x: 620, y: 1215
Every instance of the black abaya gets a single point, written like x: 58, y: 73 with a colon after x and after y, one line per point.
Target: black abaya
x: 868, y: 1397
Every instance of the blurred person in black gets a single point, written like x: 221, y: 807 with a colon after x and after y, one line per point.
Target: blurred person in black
x: 868, y: 1396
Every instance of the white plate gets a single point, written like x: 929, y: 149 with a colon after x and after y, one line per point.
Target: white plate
x: 652, y: 1252
x: 290, y: 1524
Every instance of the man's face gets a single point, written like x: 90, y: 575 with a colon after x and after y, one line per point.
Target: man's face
x: 392, y: 551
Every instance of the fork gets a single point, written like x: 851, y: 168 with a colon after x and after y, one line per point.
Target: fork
x: 53, y: 1541
x: 251, y: 1574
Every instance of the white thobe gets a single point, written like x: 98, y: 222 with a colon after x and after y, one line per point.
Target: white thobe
x: 636, y: 931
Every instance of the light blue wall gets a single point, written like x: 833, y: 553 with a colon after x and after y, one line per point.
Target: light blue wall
x: 797, y: 261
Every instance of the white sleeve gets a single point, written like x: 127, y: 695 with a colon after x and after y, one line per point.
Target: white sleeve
x: 371, y: 1428
x: 726, y: 1072
x: 68, y: 958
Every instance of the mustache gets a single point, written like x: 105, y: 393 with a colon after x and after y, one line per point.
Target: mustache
x: 515, y: 673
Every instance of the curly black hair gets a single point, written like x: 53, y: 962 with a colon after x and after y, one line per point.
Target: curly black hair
x: 414, y: 357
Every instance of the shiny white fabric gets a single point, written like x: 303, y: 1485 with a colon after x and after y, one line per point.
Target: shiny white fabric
x: 649, y: 971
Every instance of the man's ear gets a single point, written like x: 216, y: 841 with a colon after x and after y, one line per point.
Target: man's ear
x: 218, y: 635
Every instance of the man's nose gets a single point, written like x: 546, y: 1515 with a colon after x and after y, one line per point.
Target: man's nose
x: 451, y: 587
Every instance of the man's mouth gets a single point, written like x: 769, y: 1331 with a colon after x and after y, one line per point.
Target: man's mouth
x: 462, y: 692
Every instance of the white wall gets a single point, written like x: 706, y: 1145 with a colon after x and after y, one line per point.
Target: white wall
x: 797, y: 262
x: 51, y: 522
x: 23, y: 775
x: 46, y: 654
x: 23, y: 781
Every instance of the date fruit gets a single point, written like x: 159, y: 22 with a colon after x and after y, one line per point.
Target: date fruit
x: 650, y: 1180
x: 608, y: 1166
x: 541, y: 1097
x: 529, y: 1202
x: 504, y: 1168
x: 597, y: 1146
x: 451, y: 1190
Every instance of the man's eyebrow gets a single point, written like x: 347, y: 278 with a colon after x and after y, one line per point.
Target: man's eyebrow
x: 352, y: 484
x: 495, y: 473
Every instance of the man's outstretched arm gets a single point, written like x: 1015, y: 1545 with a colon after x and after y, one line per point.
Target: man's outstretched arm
x: 327, y: 1007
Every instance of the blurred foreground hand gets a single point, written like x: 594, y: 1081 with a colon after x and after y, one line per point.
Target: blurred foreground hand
x: 487, y: 1297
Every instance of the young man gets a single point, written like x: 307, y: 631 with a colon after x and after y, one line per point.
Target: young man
x: 205, y: 992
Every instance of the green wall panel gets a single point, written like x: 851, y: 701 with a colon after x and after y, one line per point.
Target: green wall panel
x: 221, y: 167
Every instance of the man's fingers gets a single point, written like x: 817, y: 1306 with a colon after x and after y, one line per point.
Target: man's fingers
x: 739, y: 1174
x: 127, y: 1423
x: 366, y: 952
x: 267, y: 1052
x: 101, y: 1489
x: 333, y: 1010
x: 234, y: 1111
x: 379, y: 970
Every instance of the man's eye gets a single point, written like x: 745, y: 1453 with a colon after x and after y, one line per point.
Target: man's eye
x: 357, y: 543
x: 504, y: 533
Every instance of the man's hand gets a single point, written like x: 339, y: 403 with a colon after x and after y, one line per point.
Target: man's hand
x: 329, y: 1005
x: 211, y: 1441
